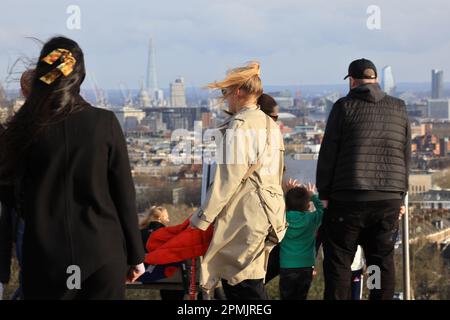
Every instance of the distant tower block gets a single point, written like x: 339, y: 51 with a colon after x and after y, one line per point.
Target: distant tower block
x: 388, y: 82
x: 437, y: 84
x: 177, y: 93
x: 151, y: 82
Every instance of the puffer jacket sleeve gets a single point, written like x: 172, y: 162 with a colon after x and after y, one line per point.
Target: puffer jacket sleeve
x: 329, y: 151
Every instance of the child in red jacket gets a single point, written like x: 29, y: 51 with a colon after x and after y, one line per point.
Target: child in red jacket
x: 158, y: 217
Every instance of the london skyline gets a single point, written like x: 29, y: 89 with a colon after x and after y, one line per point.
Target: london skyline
x: 296, y: 42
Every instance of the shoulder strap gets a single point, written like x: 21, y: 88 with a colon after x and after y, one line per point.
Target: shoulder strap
x: 258, y: 164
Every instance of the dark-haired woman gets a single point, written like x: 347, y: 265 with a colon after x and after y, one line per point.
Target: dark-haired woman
x: 269, y: 106
x: 64, y: 166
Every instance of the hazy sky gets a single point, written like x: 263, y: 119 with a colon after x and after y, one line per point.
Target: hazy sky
x: 297, y: 41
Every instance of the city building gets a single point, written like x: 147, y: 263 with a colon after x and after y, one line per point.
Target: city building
x: 154, y: 123
x: 441, y: 129
x: 433, y: 199
x: 177, y: 93
x: 419, y: 110
x: 151, y: 80
x: 207, y: 120
x: 420, y: 129
x: 445, y: 146
x: 439, y: 109
x: 284, y: 99
x: 437, y: 84
x: 144, y: 100
x: 428, y: 144
x: 158, y: 99
x: 129, y: 117
x: 420, y: 182
x: 387, y: 81
x: 178, y: 118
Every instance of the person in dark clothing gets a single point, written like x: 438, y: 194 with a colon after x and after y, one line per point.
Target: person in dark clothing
x: 362, y: 179
x: 11, y: 225
x: 6, y: 240
x: 64, y: 167
x: 11, y: 232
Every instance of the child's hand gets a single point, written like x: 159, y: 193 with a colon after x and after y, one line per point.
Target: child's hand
x: 311, y: 188
x: 402, y: 212
x: 290, y: 184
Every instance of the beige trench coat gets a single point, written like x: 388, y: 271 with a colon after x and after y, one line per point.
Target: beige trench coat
x: 249, y: 216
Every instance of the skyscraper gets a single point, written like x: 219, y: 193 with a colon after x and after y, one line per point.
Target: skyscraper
x: 177, y: 94
x: 151, y: 83
x: 437, y: 84
x: 388, y: 82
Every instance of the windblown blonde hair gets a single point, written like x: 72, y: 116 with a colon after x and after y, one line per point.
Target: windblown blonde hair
x: 154, y: 214
x: 246, y: 78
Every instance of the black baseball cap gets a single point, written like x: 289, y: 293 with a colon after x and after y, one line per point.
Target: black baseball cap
x: 356, y: 69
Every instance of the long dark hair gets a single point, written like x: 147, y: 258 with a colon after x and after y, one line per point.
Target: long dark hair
x: 45, y: 105
x: 267, y: 103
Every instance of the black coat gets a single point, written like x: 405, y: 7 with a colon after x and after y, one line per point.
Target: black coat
x: 78, y: 201
x: 6, y: 235
x: 147, y: 231
x: 366, y: 149
x: 6, y: 241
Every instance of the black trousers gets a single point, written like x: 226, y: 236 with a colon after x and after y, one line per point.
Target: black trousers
x: 273, y: 265
x: 295, y: 283
x: 252, y: 289
x: 374, y: 226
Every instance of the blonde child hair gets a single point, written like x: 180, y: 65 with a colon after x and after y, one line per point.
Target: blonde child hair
x: 155, y: 213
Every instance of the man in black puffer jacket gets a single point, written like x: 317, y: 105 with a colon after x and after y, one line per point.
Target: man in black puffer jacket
x: 362, y: 179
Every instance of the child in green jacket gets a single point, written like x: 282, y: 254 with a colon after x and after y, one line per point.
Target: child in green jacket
x: 298, y: 248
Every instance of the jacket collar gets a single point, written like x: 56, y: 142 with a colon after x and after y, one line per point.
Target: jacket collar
x: 238, y: 115
x: 370, y: 92
x: 244, y: 110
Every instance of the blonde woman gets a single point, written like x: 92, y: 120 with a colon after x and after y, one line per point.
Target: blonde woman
x: 245, y: 201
